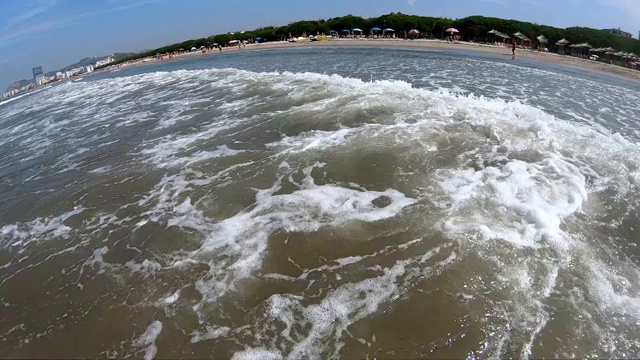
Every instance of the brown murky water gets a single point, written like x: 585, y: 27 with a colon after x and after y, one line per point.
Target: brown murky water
x: 226, y: 213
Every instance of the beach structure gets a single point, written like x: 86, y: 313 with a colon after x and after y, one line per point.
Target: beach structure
x: 494, y: 33
x: 357, y: 31
x: 452, y: 33
x: 580, y: 50
x: 524, y: 40
x: 560, y: 44
x: 497, y: 34
x: 542, y: 42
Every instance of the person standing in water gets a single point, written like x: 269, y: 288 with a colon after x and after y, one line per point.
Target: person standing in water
x: 513, y: 47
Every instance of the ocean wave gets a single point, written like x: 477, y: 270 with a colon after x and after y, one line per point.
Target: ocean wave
x: 348, y: 200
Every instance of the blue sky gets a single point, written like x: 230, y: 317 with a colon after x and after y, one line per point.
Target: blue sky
x: 55, y: 33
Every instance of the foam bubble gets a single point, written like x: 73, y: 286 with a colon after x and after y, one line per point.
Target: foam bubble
x: 22, y: 234
x: 148, y: 340
x: 258, y: 354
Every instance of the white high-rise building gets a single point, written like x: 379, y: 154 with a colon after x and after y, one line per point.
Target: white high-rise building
x: 38, y: 76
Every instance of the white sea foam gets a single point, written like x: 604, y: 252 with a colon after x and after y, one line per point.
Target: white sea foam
x: 148, y: 340
x: 519, y: 192
x: 257, y: 354
x: 22, y: 234
x: 243, y: 237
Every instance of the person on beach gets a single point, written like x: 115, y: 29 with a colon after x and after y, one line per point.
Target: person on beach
x: 513, y: 47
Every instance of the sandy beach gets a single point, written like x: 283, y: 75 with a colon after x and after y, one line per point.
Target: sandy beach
x: 429, y: 44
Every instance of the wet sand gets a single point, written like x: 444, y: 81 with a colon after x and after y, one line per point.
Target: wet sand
x: 431, y: 44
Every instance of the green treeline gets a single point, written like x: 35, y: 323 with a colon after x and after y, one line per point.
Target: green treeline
x: 473, y: 28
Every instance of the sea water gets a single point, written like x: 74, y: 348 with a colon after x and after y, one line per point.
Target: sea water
x: 322, y: 203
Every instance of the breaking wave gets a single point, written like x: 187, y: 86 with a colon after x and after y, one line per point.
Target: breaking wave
x: 300, y: 215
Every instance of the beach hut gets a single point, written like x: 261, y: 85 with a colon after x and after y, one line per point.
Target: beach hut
x: 387, y: 31
x: 580, y: 50
x: 560, y: 44
x: 356, y: 30
x: 524, y: 40
x: 494, y: 34
x: 542, y: 42
x: 503, y: 36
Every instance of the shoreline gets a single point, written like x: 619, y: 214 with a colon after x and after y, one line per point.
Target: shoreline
x: 422, y: 44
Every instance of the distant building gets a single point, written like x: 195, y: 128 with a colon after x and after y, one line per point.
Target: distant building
x: 38, y: 76
x: 106, y: 61
x: 73, y: 72
x: 89, y: 68
x: 618, y: 32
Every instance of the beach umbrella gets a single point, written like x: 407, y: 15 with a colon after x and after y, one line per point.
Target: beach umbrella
x: 346, y: 31
x: 542, y: 39
x: 375, y: 29
x: 357, y: 30
x: 452, y: 30
x: 414, y: 31
x: 562, y: 42
x: 389, y: 29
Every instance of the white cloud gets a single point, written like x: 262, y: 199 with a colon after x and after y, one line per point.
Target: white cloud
x: 10, y: 36
x: 411, y: 2
x: 29, y: 14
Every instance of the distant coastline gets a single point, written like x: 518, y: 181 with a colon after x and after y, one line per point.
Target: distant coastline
x: 421, y: 44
